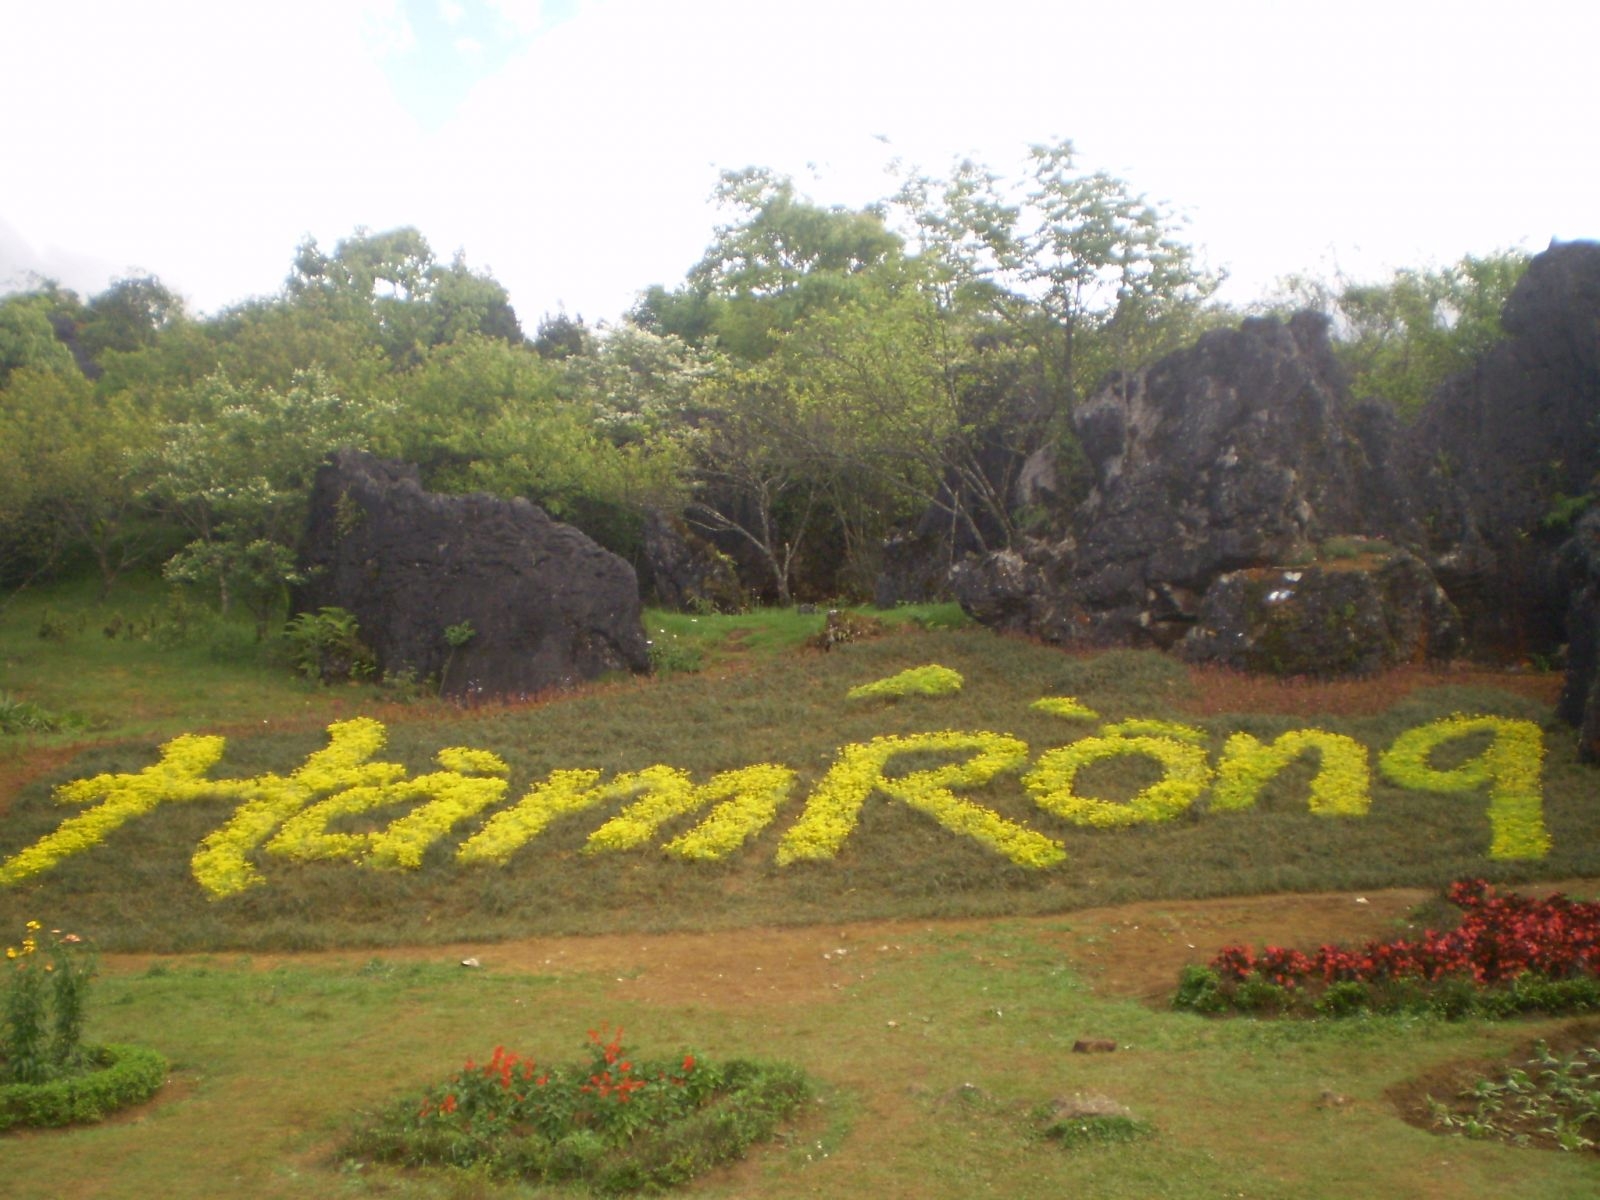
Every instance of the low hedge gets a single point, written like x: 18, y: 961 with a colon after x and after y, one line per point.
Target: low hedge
x: 121, y: 1076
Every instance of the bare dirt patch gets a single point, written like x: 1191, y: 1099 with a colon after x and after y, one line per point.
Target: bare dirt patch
x: 1217, y: 691
x: 1129, y: 950
x: 1447, y: 1083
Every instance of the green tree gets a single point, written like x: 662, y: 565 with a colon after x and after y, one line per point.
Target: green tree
x: 129, y: 315
x: 237, y: 474
x: 1087, y: 273
x: 1402, y: 338
x: 68, y: 471
x: 479, y: 414
x: 754, y: 478
x: 780, y: 258
x: 389, y: 284
x: 28, y: 338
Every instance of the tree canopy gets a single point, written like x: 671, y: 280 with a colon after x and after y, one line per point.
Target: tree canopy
x: 822, y: 378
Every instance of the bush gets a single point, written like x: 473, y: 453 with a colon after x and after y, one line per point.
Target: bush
x: 615, y: 1123
x: 1200, y: 990
x: 326, y: 646
x: 1343, y: 999
x: 24, y: 716
x: 1509, y: 954
x: 118, y: 1076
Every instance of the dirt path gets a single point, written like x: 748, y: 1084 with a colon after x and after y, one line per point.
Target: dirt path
x: 1131, y: 950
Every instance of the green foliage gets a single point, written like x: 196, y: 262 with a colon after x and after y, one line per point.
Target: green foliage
x: 24, y: 716
x: 1554, y: 1099
x: 1565, y: 511
x: 28, y: 339
x: 1096, y: 1129
x: 113, y: 1077
x: 326, y: 646
x: 237, y: 472
x: 616, y: 1123
x: 1343, y: 998
x: 1401, y: 338
x: 42, y: 1007
x: 71, y: 470
x: 1200, y: 990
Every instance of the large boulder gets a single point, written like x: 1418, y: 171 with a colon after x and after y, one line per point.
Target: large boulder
x: 1498, y: 448
x: 1241, y: 452
x: 1580, y: 694
x: 686, y: 572
x: 1022, y: 590
x: 1233, y: 453
x: 1352, y: 616
x: 528, y: 602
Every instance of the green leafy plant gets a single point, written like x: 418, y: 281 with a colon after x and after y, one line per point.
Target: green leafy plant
x: 114, y: 1077
x: 46, y: 983
x: 615, y: 1122
x: 326, y: 646
x: 24, y: 716
x: 455, y: 637
x: 1564, y: 511
x: 1551, y: 1099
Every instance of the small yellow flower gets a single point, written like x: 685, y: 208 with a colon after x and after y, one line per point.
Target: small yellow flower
x: 33, y: 926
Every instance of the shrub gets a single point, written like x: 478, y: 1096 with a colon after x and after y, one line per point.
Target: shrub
x: 615, y: 1122
x: 326, y: 646
x: 24, y: 716
x: 1200, y: 990
x: 1509, y: 954
x: 1343, y: 999
x: 115, y: 1077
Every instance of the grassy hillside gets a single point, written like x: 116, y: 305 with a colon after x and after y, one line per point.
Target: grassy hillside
x: 756, y: 699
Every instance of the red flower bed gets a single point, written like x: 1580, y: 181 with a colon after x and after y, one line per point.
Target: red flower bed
x: 1501, y: 938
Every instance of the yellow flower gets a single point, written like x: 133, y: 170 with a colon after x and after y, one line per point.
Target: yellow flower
x: 1052, y: 778
x: 1069, y: 707
x: 931, y: 680
x: 1512, y: 766
x: 861, y: 770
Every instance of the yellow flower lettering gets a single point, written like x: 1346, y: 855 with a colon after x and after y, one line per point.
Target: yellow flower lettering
x: 1512, y: 766
x: 861, y: 770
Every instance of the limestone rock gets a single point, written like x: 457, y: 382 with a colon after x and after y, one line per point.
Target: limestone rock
x: 686, y: 572
x: 1580, y: 694
x: 1496, y: 449
x: 547, y: 607
x: 1230, y: 454
x: 1350, y: 617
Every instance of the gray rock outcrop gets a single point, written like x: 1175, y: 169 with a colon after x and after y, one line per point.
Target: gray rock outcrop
x: 1497, y: 448
x: 686, y: 572
x: 1220, y: 467
x: 545, y: 605
x: 1580, y: 694
x: 1381, y: 609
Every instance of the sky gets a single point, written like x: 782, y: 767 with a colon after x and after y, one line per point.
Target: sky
x: 570, y: 147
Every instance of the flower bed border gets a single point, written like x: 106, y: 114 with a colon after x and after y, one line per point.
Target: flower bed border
x: 125, y: 1075
x: 1511, y: 954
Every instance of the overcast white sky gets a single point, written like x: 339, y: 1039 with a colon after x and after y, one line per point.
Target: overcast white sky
x: 570, y: 146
